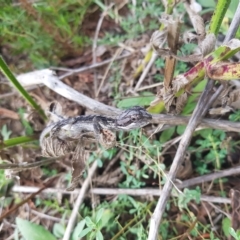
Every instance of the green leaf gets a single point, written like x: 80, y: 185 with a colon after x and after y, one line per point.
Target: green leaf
x: 99, y: 163
x: 166, y: 135
x: 233, y: 233
x: 5, y: 133
x: 99, y: 215
x: 143, y: 100
x: 200, y: 86
x: 204, y: 133
x: 58, y: 230
x: 32, y: 231
x: 187, y: 196
x: 26, y: 124
x: 89, y: 222
x: 78, y: 230
x: 99, y: 235
x: 181, y: 129
x: 207, y: 4
x: 226, y: 224
x: 84, y: 232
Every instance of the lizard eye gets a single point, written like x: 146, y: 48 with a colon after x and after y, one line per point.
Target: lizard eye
x: 133, y: 118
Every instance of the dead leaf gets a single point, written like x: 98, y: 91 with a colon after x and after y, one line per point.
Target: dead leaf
x: 208, y: 44
x: 8, y: 114
x: 158, y: 39
x: 185, y: 170
x: 179, y: 82
x: 197, y: 21
x: 220, y: 110
x: 189, y: 37
x: 180, y: 103
x: 78, y: 166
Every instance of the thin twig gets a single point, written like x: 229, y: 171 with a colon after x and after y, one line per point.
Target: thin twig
x: 24, y: 166
x: 146, y: 70
x: 209, y: 177
x: 44, y: 215
x: 94, y: 46
x: 107, y: 71
x: 117, y: 191
x: 79, y: 201
x: 233, y: 26
x: 184, y: 184
x: 70, y: 72
x: 93, y: 66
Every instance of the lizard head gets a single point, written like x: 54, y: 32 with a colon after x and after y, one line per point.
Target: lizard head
x: 132, y: 118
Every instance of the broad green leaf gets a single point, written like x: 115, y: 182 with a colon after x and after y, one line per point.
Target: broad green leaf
x: 58, y: 230
x: 233, y: 233
x: 181, y: 129
x: 200, y: 86
x: 5, y: 133
x: 143, y: 100
x: 99, y: 215
x: 32, y: 231
x: 226, y: 224
x: 89, y: 222
x: 85, y: 232
x: 99, y: 235
x: 78, y: 230
x: 204, y: 132
x: 166, y: 135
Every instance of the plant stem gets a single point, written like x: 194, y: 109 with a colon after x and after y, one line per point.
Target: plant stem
x: 218, y: 16
x: 7, y: 72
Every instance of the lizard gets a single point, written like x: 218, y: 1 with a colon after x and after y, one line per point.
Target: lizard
x: 57, y: 138
x: 73, y: 128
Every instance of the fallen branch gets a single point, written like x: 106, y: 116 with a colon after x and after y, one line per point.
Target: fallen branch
x: 49, y: 79
x: 115, y: 191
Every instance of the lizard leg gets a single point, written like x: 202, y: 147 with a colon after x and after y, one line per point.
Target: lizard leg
x: 103, y: 135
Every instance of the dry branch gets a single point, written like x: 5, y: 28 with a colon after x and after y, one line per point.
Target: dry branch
x: 49, y: 79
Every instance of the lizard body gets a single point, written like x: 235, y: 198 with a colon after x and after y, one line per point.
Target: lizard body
x: 68, y: 129
x: 59, y: 136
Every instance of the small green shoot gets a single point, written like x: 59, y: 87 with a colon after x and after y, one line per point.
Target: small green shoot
x: 187, y: 196
x: 5, y: 133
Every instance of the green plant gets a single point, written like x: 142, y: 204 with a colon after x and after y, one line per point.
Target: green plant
x: 209, y: 150
x: 48, y: 30
x: 187, y: 196
x: 5, y: 133
x: 93, y: 225
x: 130, y: 24
x: 32, y: 231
